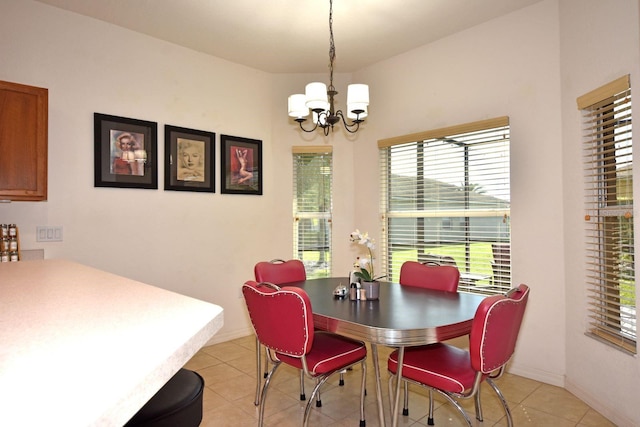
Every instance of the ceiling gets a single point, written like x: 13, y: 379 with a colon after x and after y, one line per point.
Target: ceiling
x: 292, y: 36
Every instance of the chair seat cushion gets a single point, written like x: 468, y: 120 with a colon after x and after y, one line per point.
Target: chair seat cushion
x: 177, y: 403
x: 330, y: 352
x: 439, y: 365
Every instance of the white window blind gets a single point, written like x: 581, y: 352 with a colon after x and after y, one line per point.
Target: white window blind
x: 608, y: 165
x: 446, y: 199
x: 312, y: 205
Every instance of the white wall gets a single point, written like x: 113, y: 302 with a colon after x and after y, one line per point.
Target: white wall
x: 202, y: 245
x: 509, y: 66
x: 599, y: 43
x: 529, y: 65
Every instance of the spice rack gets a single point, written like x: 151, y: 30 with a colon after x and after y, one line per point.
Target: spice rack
x: 9, y: 243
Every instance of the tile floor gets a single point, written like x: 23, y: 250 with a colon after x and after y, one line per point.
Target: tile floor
x: 229, y: 372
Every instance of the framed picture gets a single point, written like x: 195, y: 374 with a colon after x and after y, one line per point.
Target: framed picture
x: 241, y: 165
x: 189, y: 159
x: 125, y: 152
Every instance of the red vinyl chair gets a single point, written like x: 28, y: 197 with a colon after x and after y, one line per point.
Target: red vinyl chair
x: 278, y: 272
x: 457, y: 373
x: 283, y: 322
x: 430, y: 275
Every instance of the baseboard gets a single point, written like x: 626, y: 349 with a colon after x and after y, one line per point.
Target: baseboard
x: 537, y: 374
x: 31, y: 254
x: 228, y: 336
x: 610, y: 413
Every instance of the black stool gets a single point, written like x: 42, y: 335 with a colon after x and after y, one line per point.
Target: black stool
x: 177, y: 404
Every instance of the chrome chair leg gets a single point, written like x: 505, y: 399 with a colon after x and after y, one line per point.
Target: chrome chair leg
x: 258, y: 376
x: 302, y: 395
x: 363, y: 392
x: 503, y: 401
x: 405, y: 407
x: 430, y: 417
x: 455, y: 403
x: 318, y: 398
x: 316, y: 393
x: 478, y: 404
x: 265, y: 388
x: 266, y: 372
x: 266, y: 363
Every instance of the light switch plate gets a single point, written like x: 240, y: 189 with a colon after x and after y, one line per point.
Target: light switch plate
x: 48, y: 233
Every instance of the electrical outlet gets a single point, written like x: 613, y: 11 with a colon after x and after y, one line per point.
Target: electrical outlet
x: 48, y: 234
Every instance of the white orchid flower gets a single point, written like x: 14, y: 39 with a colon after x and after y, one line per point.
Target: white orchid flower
x: 364, y: 262
x: 364, y: 238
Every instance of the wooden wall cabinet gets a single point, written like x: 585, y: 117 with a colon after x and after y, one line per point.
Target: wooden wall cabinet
x: 23, y: 142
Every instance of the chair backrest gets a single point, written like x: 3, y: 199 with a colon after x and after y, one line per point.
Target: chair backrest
x: 282, y: 318
x: 279, y: 272
x: 435, y: 259
x: 495, y: 329
x: 441, y: 277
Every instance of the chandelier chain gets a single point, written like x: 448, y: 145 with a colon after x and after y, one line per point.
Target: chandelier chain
x: 332, y: 46
x: 325, y: 115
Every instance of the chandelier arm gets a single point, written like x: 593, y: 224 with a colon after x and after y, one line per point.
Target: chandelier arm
x: 300, y: 121
x: 355, y: 124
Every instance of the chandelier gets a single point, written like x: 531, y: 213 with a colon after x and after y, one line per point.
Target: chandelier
x: 320, y: 99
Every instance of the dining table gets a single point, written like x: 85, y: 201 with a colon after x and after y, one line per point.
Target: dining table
x: 402, y: 316
x: 84, y: 347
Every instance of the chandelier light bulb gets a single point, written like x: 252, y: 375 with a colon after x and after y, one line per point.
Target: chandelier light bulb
x: 297, y: 107
x: 316, y: 94
x: 358, y: 94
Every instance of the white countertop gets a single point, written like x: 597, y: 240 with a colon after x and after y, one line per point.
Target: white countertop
x: 82, y: 347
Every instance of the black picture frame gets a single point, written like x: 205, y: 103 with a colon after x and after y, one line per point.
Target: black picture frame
x: 190, y: 160
x: 125, y: 152
x: 234, y: 178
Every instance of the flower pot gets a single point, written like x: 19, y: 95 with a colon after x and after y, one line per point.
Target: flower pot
x: 372, y: 290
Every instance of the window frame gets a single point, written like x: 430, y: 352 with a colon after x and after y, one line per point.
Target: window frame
x: 322, y: 266
x: 499, y: 280
x: 609, y: 223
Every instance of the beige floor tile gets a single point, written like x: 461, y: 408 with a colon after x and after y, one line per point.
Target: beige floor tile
x: 226, y: 351
x: 229, y: 371
x: 248, y: 342
x: 594, y: 419
x: 557, y: 401
x: 230, y: 416
x: 202, y: 360
x: 214, y: 375
x: 514, y: 388
x: 246, y: 363
x: 526, y: 416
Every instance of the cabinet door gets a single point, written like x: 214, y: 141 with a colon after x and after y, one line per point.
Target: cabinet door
x: 23, y: 142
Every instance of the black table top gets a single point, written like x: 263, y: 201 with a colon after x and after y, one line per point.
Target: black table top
x: 402, y: 316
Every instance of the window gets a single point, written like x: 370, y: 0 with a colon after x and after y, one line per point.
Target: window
x: 446, y: 199
x: 608, y: 166
x: 312, y: 199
